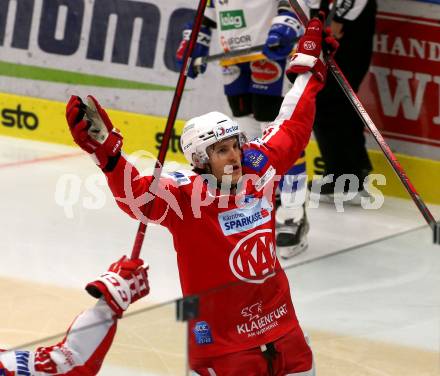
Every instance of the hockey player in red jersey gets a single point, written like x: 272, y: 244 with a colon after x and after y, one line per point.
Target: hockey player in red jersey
x: 221, y: 216
x: 90, y: 336
x: 254, y: 86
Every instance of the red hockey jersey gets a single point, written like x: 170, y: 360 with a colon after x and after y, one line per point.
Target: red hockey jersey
x: 225, y: 244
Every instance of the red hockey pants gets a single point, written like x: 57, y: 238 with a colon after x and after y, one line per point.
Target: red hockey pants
x: 289, y: 355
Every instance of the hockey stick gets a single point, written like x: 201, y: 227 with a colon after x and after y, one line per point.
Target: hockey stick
x: 351, y: 95
x: 235, y: 57
x: 229, y: 55
x: 331, y: 14
x: 437, y: 233
x: 140, y: 235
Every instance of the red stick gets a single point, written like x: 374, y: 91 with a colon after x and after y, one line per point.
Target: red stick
x: 140, y: 235
x: 351, y: 95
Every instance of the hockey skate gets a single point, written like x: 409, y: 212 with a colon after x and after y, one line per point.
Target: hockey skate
x: 291, y: 234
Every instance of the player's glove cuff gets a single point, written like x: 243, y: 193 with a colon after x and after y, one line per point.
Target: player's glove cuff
x: 114, y: 289
x: 302, y: 63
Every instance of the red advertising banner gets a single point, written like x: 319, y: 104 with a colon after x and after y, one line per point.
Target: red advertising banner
x: 402, y: 89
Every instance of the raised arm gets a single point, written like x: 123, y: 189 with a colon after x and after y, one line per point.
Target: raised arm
x: 133, y: 192
x: 289, y: 134
x: 90, y: 336
x: 94, y: 132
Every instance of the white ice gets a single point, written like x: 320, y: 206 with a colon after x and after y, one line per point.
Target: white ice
x: 368, y: 273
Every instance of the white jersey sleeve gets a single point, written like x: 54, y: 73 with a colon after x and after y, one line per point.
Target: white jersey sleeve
x: 287, y: 136
x: 81, y: 352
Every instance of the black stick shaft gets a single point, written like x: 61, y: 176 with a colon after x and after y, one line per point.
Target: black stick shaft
x: 140, y: 235
x: 368, y: 122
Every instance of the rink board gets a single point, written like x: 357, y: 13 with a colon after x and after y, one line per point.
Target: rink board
x: 44, y: 120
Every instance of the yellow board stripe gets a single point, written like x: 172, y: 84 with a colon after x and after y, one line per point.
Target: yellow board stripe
x: 422, y: 172
x: 246, y: 58
x: 141, y: 132
x: 242, y: 59
x: 144, y: 132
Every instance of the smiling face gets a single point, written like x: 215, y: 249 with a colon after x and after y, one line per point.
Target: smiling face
x: 225, y: 159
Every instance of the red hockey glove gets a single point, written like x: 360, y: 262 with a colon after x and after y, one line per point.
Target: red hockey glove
x: 93, y: 131
x: 330, y: 45
x: 310, y: 46
x: 125, y: 282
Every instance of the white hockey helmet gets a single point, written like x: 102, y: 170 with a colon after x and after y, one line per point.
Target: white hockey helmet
x: 203, y: 131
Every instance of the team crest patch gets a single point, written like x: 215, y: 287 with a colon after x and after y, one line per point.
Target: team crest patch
x: 245, y: 218
x: 202, y: 333
x: 255, y: 159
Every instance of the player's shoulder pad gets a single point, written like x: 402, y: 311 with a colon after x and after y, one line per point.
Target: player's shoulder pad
x: 181, y: 177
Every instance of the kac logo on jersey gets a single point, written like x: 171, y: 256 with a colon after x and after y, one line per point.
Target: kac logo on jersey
x: 253, y: 311
x: 202, y: 332
x: 255, y: 159
x: 248, y: 217
x: 254, y: 257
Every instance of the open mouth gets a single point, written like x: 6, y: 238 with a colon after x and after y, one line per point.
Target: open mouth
x: 230, y: 169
